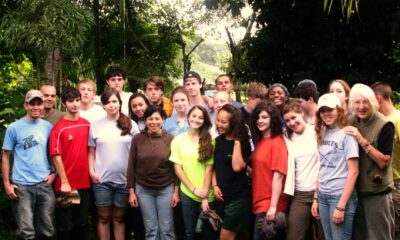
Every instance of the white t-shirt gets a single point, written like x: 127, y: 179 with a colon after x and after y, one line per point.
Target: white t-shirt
x: 335, y: 150
x: 93, y: 114
x: 305, y: 153
x: 112, y: 150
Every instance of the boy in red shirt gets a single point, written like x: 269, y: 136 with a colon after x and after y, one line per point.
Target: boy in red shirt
x: 69, y: 151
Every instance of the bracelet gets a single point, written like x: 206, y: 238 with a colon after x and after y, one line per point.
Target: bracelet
x: 194, y: 189
x: 340, y: 209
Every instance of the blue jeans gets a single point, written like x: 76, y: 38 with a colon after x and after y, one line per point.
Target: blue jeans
x: 190, y: 212
x: 327, y: 204
x: 34, y: 210
x: 158, y: 215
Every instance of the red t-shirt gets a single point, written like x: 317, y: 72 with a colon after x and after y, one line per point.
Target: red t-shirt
x: 270, y: 155
x: 69, y: 139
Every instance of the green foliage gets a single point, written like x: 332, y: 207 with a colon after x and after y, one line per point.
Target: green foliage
x: 44, y: 25
x: 297, y: 40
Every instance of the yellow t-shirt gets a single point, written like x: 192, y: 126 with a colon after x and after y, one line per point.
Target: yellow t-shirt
x: 395, y: 119
x: 185, y: 153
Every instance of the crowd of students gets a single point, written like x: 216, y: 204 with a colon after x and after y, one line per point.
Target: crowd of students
x: 279, y: 167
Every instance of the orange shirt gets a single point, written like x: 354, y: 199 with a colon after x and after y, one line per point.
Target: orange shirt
x: 270, y: 155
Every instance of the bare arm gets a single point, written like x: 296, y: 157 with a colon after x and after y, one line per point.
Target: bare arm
x: 91, y: 158
x: 277, y: 183
x: 352, y: 165
x: 65, y: 187
x: 200, y: 192
x: 238, y: 162
x: 5, y: 169
x: 380, y: 159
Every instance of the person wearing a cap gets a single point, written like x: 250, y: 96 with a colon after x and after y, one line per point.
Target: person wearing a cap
x: 335, y: 200
x: 69, y: 151
x: 50, y: 111
x: 383, y: 93
x: 193, y: 85
x: 30, y: 186
x: 374, y: 218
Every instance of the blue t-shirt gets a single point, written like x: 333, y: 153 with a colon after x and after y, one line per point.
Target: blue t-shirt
x: 335, y: 150
x: 171, y: 125
x: 28, y: 140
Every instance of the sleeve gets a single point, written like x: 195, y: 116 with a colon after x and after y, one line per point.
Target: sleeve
x: 91, y: 139
x: 386, y: 138
x: 55, y: 138
x: 135, y: 129
x: 131, y: 164
x: 9, y: 139
x: 279, y: 156
x: 175, y: 151
x: 351, y: 145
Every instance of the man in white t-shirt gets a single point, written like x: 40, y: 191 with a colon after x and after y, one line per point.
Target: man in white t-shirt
x: 88, y: 109
x: 116, y: 78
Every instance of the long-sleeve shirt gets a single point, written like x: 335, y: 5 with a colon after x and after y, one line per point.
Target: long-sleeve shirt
x: 149, y: 163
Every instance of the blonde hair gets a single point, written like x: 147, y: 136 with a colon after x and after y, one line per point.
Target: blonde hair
x: 364, y: 90
x: 89, y: 82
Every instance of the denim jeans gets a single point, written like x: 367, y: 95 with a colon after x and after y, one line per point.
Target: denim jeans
x: 71, y: 221
x: 34, y: 210
x: 191, y: 211
x: 158, y: 215
x: 327, y: 204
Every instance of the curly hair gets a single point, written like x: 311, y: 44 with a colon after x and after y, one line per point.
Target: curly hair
x: 206, y: 149
x: 273, y: 112
x: 123, y: 122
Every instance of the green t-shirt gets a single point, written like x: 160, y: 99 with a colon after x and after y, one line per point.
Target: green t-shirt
x: 185, y: 153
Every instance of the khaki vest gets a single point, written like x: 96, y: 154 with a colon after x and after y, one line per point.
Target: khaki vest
x: 370, y: 130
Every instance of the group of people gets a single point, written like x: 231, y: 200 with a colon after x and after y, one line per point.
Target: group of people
x: 282, y: 166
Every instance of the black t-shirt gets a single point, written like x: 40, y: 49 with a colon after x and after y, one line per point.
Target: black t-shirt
x: 234, y: 185
x: 386, y: 138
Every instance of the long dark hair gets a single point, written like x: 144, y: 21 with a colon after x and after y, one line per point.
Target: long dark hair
x: 133, y: 96
x: 275, y: 126
x: 123, y: 122
x: 206, y: 149
x: 237, y: 126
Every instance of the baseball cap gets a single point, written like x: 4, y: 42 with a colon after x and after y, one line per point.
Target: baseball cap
x: 329, y: 100
x: 32, y: 94
x: 192, y: 74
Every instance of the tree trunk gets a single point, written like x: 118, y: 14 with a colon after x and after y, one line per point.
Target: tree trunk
x: 97, y: 49
x: 53, y: 66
